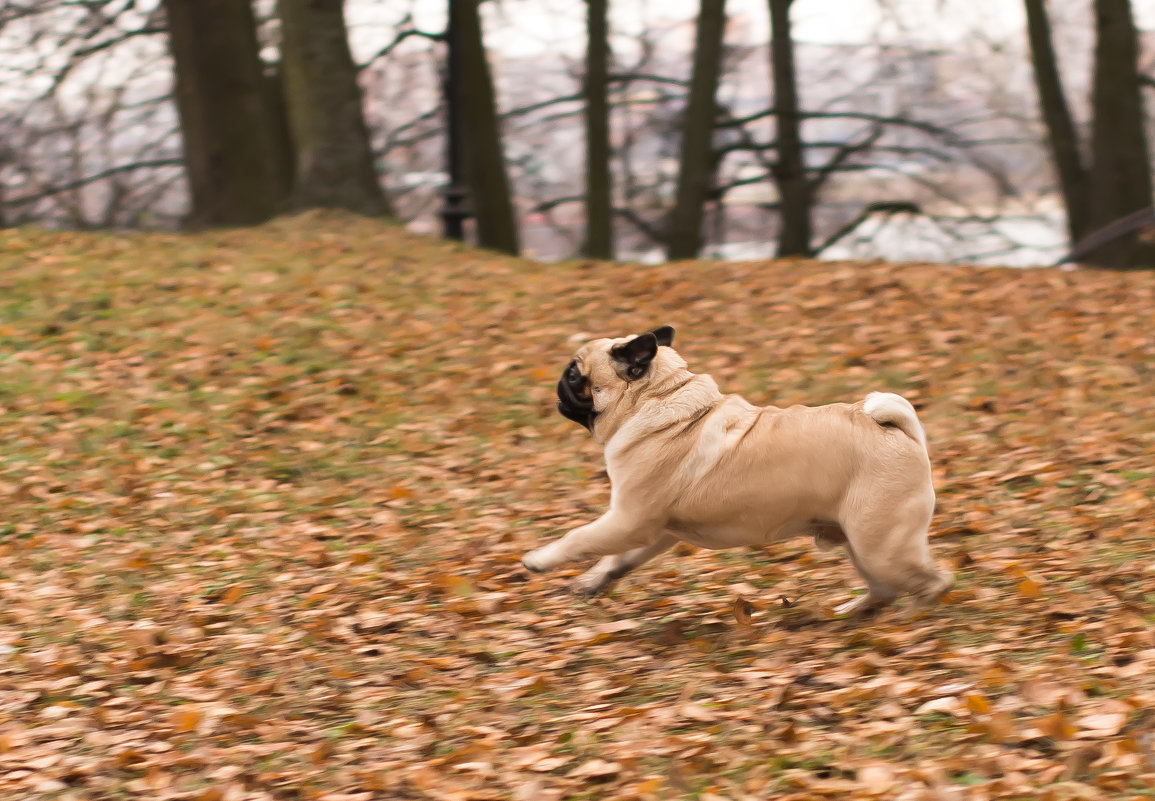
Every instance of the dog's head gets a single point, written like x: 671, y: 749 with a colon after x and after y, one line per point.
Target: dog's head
x: 601, y: 370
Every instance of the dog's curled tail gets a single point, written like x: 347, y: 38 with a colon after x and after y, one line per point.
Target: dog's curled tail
x: 889, y: 409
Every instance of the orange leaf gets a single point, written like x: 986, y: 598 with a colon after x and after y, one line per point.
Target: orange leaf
x: 139, y: 560
x: 1056, y: 726
x: 233, y: 594
x: 322, y: 752
x: 186, y: 719
x: 1029, y: 588
x: 648, y: 786
x: 977, y: 703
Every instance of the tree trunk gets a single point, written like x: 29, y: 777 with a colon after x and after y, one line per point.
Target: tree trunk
x: 480, y: 134
x: 1061, y: 135
x: 334, y: 160
x: 696, y: 167
x: 1120, y: 174
x: 599, y: 241
x: 233, y: 137
x: 794, y: 190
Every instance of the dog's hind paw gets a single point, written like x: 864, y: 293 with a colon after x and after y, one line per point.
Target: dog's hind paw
x: 861, y: 605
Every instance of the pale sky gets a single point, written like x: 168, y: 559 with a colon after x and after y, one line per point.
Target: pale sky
x: 533, y: 27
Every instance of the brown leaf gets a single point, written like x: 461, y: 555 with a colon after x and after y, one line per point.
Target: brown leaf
x: 547, y: 764
x: 321, y: 752
x: 1105, y: 724
x: 999, y: 727
x: 695, y: 711
x: 877, y: 779
x: 743, y: 611
x: 949, y: 704
x: 595, y: 769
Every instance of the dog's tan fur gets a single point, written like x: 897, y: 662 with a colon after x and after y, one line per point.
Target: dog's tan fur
x: 688, y: 463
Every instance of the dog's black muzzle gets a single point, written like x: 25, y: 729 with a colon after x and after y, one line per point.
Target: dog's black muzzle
x: 574, y: 400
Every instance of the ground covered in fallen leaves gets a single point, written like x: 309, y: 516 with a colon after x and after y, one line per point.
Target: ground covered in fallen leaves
x: 266, y: 493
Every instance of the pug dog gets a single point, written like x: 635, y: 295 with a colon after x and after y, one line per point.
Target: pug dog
x: 687, y: 463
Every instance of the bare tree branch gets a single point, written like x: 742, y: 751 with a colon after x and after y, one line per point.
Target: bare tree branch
x: 843, y: 154
x: 885, y: 207
x: 404, y: 32
x: 99, y: 176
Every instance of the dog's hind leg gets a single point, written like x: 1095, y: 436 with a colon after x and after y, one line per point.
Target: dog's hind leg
x: 609, y: 569
x: 878, y: 594
x: 895, y: 559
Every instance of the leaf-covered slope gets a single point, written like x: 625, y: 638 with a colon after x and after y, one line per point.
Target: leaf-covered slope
x: 267, y: 491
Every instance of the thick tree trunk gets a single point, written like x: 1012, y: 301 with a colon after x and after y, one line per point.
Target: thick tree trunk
x: 233, y: 136
x: 599, y: 240
x: 480, y: 134
x: 696, y: 167
x: 1061, y: 135
x: 1120, y: 174
x: 334, y: 160
x: 794, y: 190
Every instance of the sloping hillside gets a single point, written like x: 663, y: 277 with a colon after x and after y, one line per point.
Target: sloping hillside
x: 267, y: 491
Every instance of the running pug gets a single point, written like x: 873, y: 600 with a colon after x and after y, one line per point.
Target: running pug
x: 687, y: 463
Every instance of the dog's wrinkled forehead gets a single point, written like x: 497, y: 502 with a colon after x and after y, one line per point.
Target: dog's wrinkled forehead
x: 597, y: 350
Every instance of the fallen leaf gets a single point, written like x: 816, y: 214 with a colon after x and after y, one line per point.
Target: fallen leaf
x: 877, y: 779
x: 999, y: 727
x: 1029, y: 588
x: 695, y: 711
x: 949, y: 705
x: 595, y: 769
x: 1056, y: 726
x: 977, y: 703
x: 743, y: 611
x: 547, y: 764
x: 1106, y: 724
x: 233, y: 594
x: 185, y: 719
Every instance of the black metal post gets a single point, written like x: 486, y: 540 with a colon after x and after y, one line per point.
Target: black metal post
x: 454, y: 196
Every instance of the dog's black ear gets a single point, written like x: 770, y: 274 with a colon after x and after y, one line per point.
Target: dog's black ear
x: 664, y: 335
x: 636, y: 354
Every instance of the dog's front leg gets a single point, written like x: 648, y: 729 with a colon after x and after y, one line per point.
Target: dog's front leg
x: 609, y: 569
x: 612, y: 533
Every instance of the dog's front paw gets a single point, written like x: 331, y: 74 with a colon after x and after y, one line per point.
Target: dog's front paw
x: 536, y: 561
x: 590, y: 584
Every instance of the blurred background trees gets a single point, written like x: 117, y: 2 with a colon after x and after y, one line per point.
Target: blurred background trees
x: 971, y: 130
x: 333, y: 160
x: 236, y: 145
